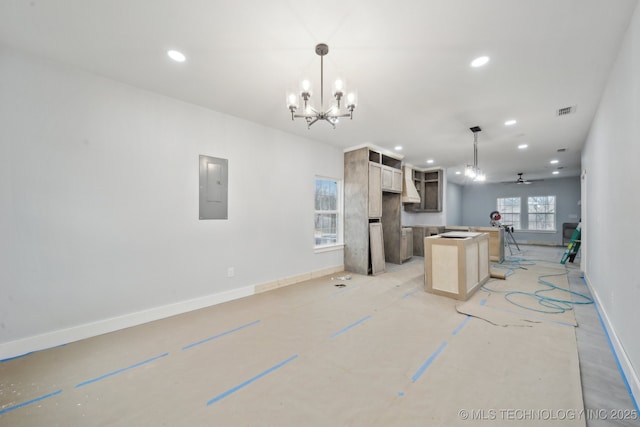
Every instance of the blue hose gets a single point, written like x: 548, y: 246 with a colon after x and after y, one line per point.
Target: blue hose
x: 548, y: 304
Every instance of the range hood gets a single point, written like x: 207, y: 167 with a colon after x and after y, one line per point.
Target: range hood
x: 409, y: 192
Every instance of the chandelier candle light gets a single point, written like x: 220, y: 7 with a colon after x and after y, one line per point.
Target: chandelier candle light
x: 331, y: 115
x: 473, y: 171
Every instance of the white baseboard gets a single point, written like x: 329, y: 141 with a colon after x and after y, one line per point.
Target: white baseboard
x: 292, y: 280
x: 63, y: 336
x: 631, y: 376
x: 327, y: 271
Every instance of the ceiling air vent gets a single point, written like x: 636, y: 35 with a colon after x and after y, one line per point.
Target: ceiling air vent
x: 566, y: 110
x: 561, y: 150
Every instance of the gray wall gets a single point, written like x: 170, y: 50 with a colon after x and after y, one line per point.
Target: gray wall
x: 453, y: 204
x: 611, y: 183
x: 479, y: 200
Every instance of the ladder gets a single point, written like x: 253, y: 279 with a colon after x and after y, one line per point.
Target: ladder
x: 572, y: 247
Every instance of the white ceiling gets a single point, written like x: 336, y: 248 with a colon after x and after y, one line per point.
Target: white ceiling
x: 408, y: 59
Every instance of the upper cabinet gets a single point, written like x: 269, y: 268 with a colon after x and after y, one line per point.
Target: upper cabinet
x: 391, y: 179
x: 391, y: 173
x: 429, y: 186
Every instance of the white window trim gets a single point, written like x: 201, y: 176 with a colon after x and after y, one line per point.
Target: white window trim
x: 340, y: 211
x: 555, y: 214
x: 328, y: 248
x: 509, y: 213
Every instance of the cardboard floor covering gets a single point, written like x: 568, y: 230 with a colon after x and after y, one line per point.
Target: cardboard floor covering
x: 540, y: 293
x: 379, y: 351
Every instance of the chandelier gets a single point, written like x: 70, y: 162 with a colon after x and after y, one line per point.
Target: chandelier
x: 333, y: 113
x: 473, y: 171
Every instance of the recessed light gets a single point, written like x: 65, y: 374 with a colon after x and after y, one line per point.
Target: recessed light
x: 430, y: 161
x: 480, y: 61
x: 555, y: 172
x: 554, y: 161
x: 176, y: 56
x: 398, y: 147
x: 522, y: 146
x: 510, y: 122
x: 458, y: 172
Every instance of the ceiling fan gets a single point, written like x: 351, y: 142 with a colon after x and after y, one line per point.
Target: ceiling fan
x: 522, y: 180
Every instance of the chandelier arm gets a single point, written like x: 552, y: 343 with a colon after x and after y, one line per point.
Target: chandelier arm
x: 314, y: 113
x: 310, y: 122
x: 340, y: 115
x: 329, y: 120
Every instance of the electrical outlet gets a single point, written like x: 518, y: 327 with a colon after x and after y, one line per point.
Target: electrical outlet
x: 231, y: 272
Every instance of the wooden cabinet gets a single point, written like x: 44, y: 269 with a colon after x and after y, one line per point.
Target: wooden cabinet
x: 376, y: 245
x: 496, y: 241
x: 391, y: 226
x: 429, y: 185
x: 391, y: 179
x: 422, y: 231
x: 375, y: 190
x: 397, y: 181
x: 406, y: 244
x: 372, y: 202
x: 456, y: 263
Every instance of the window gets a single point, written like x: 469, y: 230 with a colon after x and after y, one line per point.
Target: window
x: 327, y: 212
x: 509, y: 208
x: 542, y: 213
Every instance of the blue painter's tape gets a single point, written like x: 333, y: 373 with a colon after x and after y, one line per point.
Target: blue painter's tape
x: 408, y: 294
x: 461, y: 325
x: 29, y: 402
x: 615, y: 356
x: 121, y: 370
x: 9, y: 359
x: 429, y: 361
x: 342, y: 331
x: 249, y: 381
x: 464, y: 322
x: 220, y: 335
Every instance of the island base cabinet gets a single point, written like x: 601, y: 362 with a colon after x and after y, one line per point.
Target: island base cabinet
x: 456, y: 263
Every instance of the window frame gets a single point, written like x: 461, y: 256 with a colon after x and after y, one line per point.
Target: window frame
x: 338, y: 212
x: 554, y: 214
x: 503, y: 213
